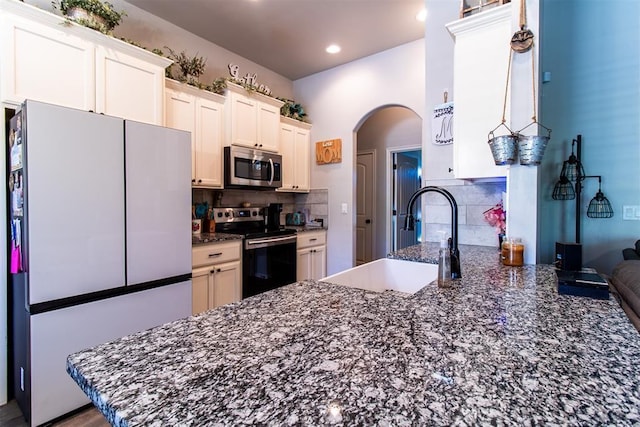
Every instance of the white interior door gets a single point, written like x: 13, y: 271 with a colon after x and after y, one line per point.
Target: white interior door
x: 407, y: 182
x: 365, y: 205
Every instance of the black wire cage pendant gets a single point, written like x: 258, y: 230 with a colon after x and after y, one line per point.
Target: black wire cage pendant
x: 563, y: 189
x: 572, y: 168
x: 599, y: 206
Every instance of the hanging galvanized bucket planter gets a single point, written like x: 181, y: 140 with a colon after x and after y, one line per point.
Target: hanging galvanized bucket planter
x: 504, y: 148
x: 532, y: 147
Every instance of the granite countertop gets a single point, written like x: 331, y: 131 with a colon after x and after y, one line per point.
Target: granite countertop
x: 204, y: 238
x: 208, y: 238
x: 305, y: 228
x: 499, y: 347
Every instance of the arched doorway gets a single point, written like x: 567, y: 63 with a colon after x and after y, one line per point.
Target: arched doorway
x: 384, y: 132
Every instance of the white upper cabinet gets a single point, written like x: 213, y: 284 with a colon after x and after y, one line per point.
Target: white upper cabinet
x: 49, y: 59
x: 48, y: 64
x: 252, y: 119
x: 201, y: 113
x: 295, y: 147
x: 129, y: 87
x: 481, y: 60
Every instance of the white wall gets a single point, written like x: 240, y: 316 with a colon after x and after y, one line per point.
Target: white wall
x: 338, y: 101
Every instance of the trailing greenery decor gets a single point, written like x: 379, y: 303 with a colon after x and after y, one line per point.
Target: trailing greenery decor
x: 217, y: 86
x: 191, y: 68
x: 98, y: 15
x: 292, y: 110
x: 251, y: 88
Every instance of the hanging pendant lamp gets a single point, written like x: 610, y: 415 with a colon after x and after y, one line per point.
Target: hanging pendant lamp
x: 599, y: 206
x: 563, y: 189
x: 572, y: 168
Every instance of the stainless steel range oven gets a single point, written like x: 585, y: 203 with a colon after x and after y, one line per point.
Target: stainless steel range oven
x: 268, y: 256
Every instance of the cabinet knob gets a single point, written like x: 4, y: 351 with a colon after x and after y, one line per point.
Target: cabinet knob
x: 193, y: 180
x: 213, y: 271
x: 218, y: 270
x: 199, y: 181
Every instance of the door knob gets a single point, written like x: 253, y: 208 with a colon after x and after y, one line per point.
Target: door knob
x: 368, y: 221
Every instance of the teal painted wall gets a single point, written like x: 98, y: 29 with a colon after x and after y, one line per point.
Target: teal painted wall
x: 591, y: 48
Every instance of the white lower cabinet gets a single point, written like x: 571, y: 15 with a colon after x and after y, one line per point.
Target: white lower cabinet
x: 216, y: 275
x: 312, y: 255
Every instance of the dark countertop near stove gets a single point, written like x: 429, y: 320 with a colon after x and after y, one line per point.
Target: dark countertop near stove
x: 500, y: 347
x: 207, y: 238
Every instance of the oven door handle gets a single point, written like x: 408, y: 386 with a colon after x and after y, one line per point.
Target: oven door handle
x: 271, y: 240
x: 273, y: 172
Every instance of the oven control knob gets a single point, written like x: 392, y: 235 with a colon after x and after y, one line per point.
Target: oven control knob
x: 226, y: 214
x: 219, y: 214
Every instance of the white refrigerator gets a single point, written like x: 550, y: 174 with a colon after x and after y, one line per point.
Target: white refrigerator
x: 100, y: 242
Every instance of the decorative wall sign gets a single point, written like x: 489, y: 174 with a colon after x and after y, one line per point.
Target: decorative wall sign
x: 329, y: 151
x: 442, y: 124
x: 249, y: 79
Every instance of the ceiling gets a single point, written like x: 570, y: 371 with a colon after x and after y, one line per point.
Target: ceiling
x: 289, y: 37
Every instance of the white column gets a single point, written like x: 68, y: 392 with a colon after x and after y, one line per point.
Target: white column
x: 522, y: 181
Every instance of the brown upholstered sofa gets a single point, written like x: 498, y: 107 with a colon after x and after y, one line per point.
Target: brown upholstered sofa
x: 625, y: 283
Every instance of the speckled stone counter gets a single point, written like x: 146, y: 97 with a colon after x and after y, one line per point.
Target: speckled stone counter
x: 203, y: 238
x: 305, y: 228
x: 500, y: 347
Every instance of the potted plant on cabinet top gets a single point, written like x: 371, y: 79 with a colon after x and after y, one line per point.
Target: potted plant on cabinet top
x: 96, y: 14
x: 191, y: 68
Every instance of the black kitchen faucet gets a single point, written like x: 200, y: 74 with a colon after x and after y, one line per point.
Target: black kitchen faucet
x: 409, y: 223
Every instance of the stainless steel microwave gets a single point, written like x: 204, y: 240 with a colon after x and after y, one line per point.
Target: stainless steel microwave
x: 251, y: 168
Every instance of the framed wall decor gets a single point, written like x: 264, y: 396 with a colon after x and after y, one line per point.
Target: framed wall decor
x: 329, y: 151
x: 471, y: 7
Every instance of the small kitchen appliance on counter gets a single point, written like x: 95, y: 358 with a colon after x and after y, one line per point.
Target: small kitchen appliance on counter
x: 295, y: 218
x: 273, y: 216
x: 269, y: 251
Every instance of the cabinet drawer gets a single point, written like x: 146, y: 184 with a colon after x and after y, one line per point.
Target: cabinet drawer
x: 216, y: 253
x: 311, y: 238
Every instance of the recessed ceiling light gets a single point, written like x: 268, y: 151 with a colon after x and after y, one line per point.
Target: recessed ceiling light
x: 333, y: 48
x: 422, y: 15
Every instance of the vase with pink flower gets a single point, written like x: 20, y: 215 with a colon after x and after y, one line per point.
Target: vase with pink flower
x: 497, y: 218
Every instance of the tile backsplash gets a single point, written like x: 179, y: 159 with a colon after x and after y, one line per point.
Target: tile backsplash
x: 316, y: 202
x: 473, y: 199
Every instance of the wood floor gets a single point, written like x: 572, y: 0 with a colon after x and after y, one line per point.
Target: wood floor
x: 11, y: 416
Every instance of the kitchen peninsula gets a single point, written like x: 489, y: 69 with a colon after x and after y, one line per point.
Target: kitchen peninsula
x: 498, y: 347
